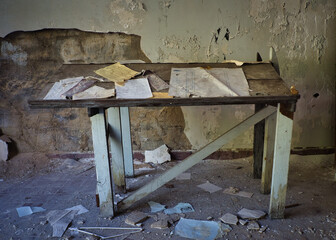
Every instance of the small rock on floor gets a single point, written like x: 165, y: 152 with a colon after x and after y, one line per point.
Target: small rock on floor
x: 229, y: 219
x: 251, y: 214
x: 135, y: 218
x: 161, y: 224
x: 253, y: 225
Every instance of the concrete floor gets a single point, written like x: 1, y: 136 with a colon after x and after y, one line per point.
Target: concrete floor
x: 312, y: 187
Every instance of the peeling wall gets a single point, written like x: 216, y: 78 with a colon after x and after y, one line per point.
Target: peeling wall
x: 303, y: 33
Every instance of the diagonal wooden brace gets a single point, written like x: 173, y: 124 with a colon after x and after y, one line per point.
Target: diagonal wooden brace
x: 195, y: 158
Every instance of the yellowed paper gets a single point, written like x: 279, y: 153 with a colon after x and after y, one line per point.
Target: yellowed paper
x: 161, y: 95
x: 117, y: 73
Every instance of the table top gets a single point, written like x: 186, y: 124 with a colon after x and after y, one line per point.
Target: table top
x: 265, y: 84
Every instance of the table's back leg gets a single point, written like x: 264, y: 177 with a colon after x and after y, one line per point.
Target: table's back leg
x: 127, y: 141
x: 282, y: 144
x: 266, y: 175
x: 115, y: 141
x: 101, y: 155
x: 258, y: 144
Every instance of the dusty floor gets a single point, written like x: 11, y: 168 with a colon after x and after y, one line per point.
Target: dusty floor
x: 312, y: 188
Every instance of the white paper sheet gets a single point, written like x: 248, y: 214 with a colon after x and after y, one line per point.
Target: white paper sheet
x: 61, y: 87
x: 215, y: 82
x: 134, y: 89
x: 94, y: 92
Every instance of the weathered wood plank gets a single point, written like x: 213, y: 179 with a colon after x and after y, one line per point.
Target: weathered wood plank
x: 195, y: 158
x: 115, y: 141
x: 258, y: 144
x: 282, y: 144
x: 103, y: 172
x: 127, y: 141
x: 160, y: 102
x: 266, y: 176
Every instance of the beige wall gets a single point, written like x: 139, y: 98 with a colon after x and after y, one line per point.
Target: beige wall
x: 302, y: 32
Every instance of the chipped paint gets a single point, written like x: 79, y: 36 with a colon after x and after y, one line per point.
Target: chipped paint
x: 14, y: 53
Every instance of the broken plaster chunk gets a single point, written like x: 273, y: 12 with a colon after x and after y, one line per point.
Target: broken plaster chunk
x: 160, y: 224
x: 3, y: 150
x: 229, y: 219
x: 156, y: 207
x: 136, y: 217
x: 158, y: 156
x: 251, y: 214
x: 253, y: 225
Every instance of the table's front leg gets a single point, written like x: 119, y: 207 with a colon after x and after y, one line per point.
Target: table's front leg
x: 267, y: 166
x: 101, y: 155
x: 115, y: 139
x: 127, y: 141
x: 282, y: 146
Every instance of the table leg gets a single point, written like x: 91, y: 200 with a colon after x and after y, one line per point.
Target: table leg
x: 258, y: 144
x: 282, y: 144
x: 266, y: 175
x: 115, y: 140
x: 127, y: 141
x: 101, y: 155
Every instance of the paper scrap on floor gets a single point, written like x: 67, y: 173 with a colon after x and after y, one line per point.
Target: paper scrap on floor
x: 94, y: 92
x: 117, y: 73
x: 180, y: 208
x: 209, y: 187
x: 156, y: 207
x: 134, y: 89
x: 197, y: 229
x: 158, y: 155
x: 213, y: 82
x: 27, y: 210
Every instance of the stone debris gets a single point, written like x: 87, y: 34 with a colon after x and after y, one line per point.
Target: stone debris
x: 263, y: 229
x: 229, y: 219
x: 158, y: 156
x: 160, y: 224
x: 237, y: 192
x: 242, y: 222
x: 253, y: 225
x: 251, y: 214
x: 136, y: 217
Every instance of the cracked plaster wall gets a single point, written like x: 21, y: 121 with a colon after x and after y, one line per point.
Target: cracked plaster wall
x: 301, y: 31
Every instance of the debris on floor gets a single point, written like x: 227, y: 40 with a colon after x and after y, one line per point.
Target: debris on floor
x: 27, y: 210
x: 158, y: 156
x: 209, y: 187
x: 243, y: 222
x: 135, y: 218
x: 180, y: 208
x: 183, y: 176
x: 79, y: 208
x: 60, y: 220
x: 229, y: 219
x: 253, y: 225
x: 197, y: 229
x: 82, y: 230
x: 160, y: 224
x: 251, y: 214
x: 4, y: 140
x: 156, y: 207
x: 237, y: 192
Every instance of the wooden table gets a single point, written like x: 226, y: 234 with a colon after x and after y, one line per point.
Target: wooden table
x: 272, y: 121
